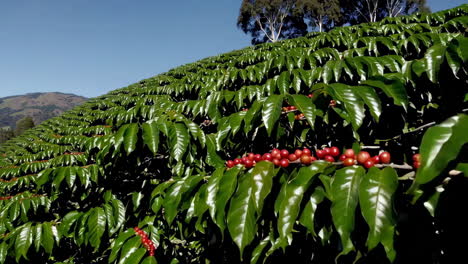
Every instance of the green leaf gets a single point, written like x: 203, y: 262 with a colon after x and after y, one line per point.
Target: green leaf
x: 96, y: 226
x: 179, y: 140
x: 345, y: 193
x: 308, y: 215
x: 119, y: 242
x: 135, y: 257
x: 23, y: 241
x: 241, y: 217
x: 262, y: 176
x: 253, y: 112
x: 151, y: 136
x: 290, y: 206
x: 371, y: 99
x: 271, y: 111
x: 212, y: 158
x: 258, y: 251
x: 130, y: 247
x: 130, y: 138
x: 375, y: 199
x: 352, y: 102
x: 434, y: 58
x: 68, y: 221
x: 283, y: 82
x: 37, y: 237
x: 149, y: 260
x: 305, y: 106
x: 227, y: 186
x: 47, y: 237
x: 175, y: 193
x: 463, y: 167
x: 3, y: 252
x: 440, y: 145
x: 394, y: 89
x: 119, y: 215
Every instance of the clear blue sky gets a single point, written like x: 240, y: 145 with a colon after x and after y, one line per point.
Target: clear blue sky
x: 90, y: 47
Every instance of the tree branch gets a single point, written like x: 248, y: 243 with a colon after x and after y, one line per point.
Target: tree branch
x: 261, y: 27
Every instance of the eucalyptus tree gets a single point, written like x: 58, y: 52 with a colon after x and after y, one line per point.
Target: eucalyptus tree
x: 270, y: 20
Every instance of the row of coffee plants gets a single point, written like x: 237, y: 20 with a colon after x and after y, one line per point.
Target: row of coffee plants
x: 152, y: 156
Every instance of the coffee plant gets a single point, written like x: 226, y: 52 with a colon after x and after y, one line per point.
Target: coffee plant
x: 142, y: 174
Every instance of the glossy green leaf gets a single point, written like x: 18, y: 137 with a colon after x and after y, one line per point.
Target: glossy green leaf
x: 258, y: 252
x: 305, y: 106
x: 262, y: 176
x: 212, y: 158
x: 130, y: 138
x: 227, y: 187
x: 434, y: 58
x: 135, y: 257
x: 241, y: 218
x: 283, y: 82
x: 48, y: 237
x: 345, y: 193
x: 371, y: 99
x: 119, y: 242
x: 175, y: 193
x: 130, y: 247
x: 394, y: 89
x: 23, y: 241
x: 37, y: 237
x: 271, y: 111
x: 352, y: 102
x: 440, y: 145
x: 151, y: 136
x: 308, y: 214
x: 290, y: 206
x: 97, y: 226
x: 3, y: 252
x: 179, y: 140
x: 68, y: 221
x: 376, y: 201
x: 149, y: 260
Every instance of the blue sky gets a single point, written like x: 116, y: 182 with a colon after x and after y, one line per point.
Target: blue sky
x: 90, y: 47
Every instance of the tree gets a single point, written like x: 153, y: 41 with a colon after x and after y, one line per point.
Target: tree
x: 23, y: 124
x: 359, y: 11
x: 6, y: 134
x: 322, y: 14
x: 270, y: 20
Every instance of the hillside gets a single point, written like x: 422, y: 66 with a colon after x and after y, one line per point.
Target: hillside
x: 163, y: 171
x: 39, y: 106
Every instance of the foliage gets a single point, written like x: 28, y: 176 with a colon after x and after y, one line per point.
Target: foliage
x: 6, y: 134
x: 359, y: 11
x: 322, y: 14
x: 270, y: 20
x: 23, y: 124
x: 151, y: 156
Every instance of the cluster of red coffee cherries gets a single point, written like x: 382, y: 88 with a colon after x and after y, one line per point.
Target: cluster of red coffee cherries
x: 349, y: 158
x: 416, y: 160
x: 147, y: 243
x: 282, y: 158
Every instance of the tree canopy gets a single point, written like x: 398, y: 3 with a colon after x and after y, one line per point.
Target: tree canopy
x: 23, y: 124
x: 270, y: 21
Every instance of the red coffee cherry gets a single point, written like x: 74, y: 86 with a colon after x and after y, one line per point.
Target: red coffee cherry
x: 348, y: 162
x: 284, y: 163
x: 384, y: 157
x: 334, y: 151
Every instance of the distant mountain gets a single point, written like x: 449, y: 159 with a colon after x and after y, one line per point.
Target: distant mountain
x: 39, y: 106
